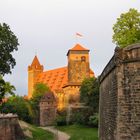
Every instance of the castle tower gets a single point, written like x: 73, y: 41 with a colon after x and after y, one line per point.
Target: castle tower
x: 33, y: 70
x: 78, y: 64
x: 78, y: 70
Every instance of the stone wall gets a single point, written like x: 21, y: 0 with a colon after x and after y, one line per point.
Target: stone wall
x: 47, y: 109
x: 10, y: 128
x: 120, y: 96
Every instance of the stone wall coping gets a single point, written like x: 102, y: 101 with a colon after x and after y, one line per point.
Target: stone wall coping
x: 115, y: 59
x: 9, y: 115
x: 132, y: 47
x: 108, y: 68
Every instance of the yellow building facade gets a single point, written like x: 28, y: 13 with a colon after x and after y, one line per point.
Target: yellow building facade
x: 65, y: 82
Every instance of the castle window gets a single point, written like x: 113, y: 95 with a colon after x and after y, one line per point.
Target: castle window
x: 78, y: 77
x: 83, y: 58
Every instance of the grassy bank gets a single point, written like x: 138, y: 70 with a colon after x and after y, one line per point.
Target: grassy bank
x: 78, y: 132
x: 34, y: 133
x: 40, y: 134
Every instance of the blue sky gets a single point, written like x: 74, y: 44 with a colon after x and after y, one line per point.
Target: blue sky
x: 48, y: 27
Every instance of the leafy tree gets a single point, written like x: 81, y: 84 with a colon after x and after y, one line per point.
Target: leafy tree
x: 127, y: 29
x: 39, y: 90
x: 5, y: 88
x: 8, y: 44
x: 89, y: 93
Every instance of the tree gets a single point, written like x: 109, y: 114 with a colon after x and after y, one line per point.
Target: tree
x: 5, y: 88
x: 127, y: 29
x: 89, y: 93
x: 8, y: 44
x: 39, y: 90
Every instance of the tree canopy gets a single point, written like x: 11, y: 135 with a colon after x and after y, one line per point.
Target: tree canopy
x: 8, y: 44
x: 39, y: 90
x: 89, y: 93
x: 5, y: 88
x: 127, y: 29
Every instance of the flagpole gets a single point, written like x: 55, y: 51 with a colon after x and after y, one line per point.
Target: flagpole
x: 76, y: 39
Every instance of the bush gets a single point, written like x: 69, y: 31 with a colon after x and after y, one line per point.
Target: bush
x: 93, y: 120
x: 61, y: 121
x: 61, y: 118
x: 79, y: 115
x: 78, y: 118
x: 19, y: 106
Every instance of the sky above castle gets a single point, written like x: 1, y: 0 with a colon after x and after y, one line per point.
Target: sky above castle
x: 48, y: 28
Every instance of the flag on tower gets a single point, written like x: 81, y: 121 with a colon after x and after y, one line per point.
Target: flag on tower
x: 79, y: 35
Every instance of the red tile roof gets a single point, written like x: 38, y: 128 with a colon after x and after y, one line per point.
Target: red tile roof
x: 78, y: 47
x: 55, y: 78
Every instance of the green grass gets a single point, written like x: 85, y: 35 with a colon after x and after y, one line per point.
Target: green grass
x: 78, y: 132
x: 40, y: 134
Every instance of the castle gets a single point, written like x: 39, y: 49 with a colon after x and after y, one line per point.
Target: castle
x: 65, y: 82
